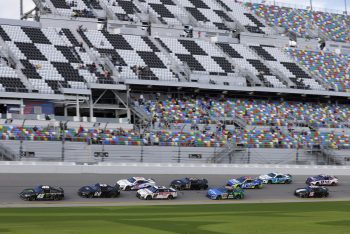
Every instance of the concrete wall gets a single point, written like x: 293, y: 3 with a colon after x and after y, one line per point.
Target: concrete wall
x: 180, y: 169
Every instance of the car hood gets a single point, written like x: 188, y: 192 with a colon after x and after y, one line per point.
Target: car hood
x: 264, y: 177
x: 300, y: 190
x: 144, y: 191
x: 233, y: 182
x: 214, y: 191
x: 123, y: 182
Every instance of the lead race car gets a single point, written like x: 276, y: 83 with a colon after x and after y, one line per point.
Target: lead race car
x: 189, y: 184
x: 99, y: 190
x: 157, y: 192
x: 225, y: 193
x: 245, y: 182
x: 42, y: 192
x: 135, y: 183
x: 322, y: 180
x: 276, y: 178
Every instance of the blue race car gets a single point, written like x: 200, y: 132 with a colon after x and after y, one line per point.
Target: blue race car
x: 276, y: 178
x: 245, y: 183
x: 225, y: 193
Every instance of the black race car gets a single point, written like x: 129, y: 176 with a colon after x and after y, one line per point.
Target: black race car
x: 189, y: 184
x: 99, y: 190
x: 42, y: 192
x: 312, y: 191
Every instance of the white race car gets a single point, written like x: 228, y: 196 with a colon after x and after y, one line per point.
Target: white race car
x: 135, y: 183
x: 156, y: 192
x: 276, y: 178
x: 322, y: 180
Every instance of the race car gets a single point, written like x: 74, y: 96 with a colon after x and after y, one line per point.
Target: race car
x: 156, y: 192
x: 42, y: 192
x: 135, y: 183
x: 189, y: 184
x: 225, y: 193
x: 312, y: 191
x: 322, y: 180
x: 245, y: 183
x: 276, y: 178
x: 99, y: 190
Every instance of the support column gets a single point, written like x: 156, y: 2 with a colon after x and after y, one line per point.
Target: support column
x: 91, y: 105
x: 77, y: 107
x: 65, y: 110
x: 128, y: 112
x: 21, y: 108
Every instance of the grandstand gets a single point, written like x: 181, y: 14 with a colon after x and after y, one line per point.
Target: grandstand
x: 199, y: 81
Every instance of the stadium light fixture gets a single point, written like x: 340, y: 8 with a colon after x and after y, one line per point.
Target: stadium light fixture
x: 346, y: 7
x: 311, y: 5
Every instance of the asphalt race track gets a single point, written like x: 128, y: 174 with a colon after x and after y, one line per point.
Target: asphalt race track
x: 12, y: 184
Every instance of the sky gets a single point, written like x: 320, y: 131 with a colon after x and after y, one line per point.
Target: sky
x: 10, y: 8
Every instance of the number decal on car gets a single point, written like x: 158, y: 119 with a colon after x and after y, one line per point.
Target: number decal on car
x: 97, y: 194
x: 40, y: 196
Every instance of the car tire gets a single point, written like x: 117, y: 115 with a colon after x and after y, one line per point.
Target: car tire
x: 148, y: 198
x: 239, y: 196
x: 218, y: 198
x: 317, y: 184
x: 269, y: 182
x: 205, y: 187
x: 90, y: 195
x: 170, y: 197
x: 127, y: 188
x: 288, y: 181
x: 333, y: 184
x: 326, y: 194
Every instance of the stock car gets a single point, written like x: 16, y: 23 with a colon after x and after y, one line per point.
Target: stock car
x: 189, y: 184
x: 42, y: 192
x: 311, y: 191
x: 225, y: 193
x: 99, y: 190
x: 135, y: 183
x: 322, y: 180
x: 276, y: 178
x: 156, y: 192
x: 245, y: 183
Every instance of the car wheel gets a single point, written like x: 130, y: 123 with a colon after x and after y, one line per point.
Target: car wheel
x: 127, y: 188
x: 170, y: 197
x: 205, y: 187
x: 288, y: 181
x: 333, y: 183
x: 269, y: 182
x: 326, y: 194
x: 56, y: 198
x: 90, y: 195
x: 317, y: 184
x: 30, y: 199
x: 239, y: 196
x: 218, y: 198
x: 148, y: 198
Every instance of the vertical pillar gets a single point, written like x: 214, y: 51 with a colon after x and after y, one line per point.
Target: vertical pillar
x: 65, y: 110
x: 77, y: 107
x: 21, y: 108
x: 91, y: 105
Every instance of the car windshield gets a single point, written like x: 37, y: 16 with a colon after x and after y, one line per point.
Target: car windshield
x: 152, y: 189
x: 272, y: 174
x: 131, y: 180
x: 222, y: 190
x: 241, y: 179
x: 37, y: 189
x: 319, y: 177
